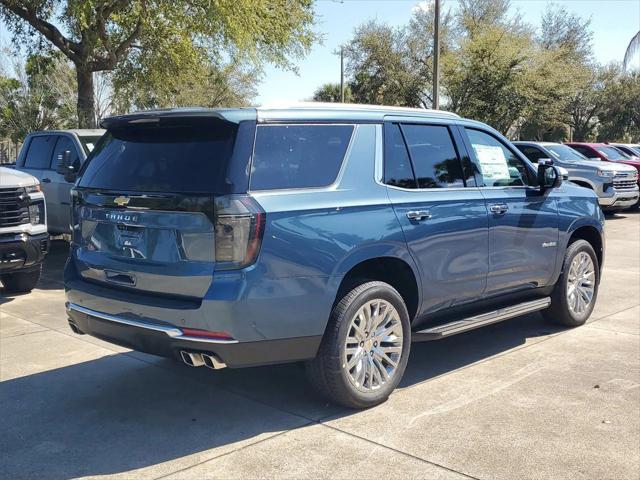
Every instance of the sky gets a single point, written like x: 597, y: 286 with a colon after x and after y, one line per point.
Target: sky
x: 614, y: 22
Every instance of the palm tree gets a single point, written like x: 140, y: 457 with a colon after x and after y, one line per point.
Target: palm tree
x: 632, y: 49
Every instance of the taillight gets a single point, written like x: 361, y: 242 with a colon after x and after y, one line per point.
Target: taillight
x: 239, y: 228
x: 74, y: 217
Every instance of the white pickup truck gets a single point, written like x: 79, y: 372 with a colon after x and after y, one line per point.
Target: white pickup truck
x: 24, y: 240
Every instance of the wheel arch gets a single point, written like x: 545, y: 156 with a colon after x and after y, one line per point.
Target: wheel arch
x: 592, y: 235
x: 396, y: 268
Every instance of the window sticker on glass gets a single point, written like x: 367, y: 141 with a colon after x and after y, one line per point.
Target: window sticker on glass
x: 493, y: 164
x: 89, y: 146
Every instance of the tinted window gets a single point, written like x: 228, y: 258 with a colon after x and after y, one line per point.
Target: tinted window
x: 298, y: 156
x: 612, y: 153
x: 585, y: 151
x: 88, y: 143
x: 433, y: 155
x: 397, y: 166
x: 39, y: 153
x: 532, y: 153
x: 190, y: 157
x: 62, y: 145
x: 500, y: 167
x: 563, y: 152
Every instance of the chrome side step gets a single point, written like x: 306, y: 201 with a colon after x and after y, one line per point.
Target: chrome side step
x: 471, y: 323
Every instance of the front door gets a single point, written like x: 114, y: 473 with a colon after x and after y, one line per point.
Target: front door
x: 442, y: 213
x: 60, y: 188
x: 37, y: 162
x: 523, y: 223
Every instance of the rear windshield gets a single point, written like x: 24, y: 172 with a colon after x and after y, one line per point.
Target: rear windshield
x: 184, y: 158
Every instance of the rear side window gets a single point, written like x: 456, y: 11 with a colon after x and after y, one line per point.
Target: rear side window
x: 190, y: 157
x: 584, y: 151
x: 298, y: 156
x: 397, y: 165
x: 532, y: 153
x: 39, y: 153
x: 433, y: 155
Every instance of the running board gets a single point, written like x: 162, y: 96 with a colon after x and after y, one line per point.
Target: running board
x: 466, y: 324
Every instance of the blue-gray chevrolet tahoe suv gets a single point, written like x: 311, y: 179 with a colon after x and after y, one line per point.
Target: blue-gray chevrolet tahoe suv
x: 336, y: 235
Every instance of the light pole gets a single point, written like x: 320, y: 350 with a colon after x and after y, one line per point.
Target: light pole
x: 436, y: 56
x: 341, y: 74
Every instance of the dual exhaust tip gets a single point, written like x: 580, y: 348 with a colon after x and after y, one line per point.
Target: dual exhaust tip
x: 199, y: 359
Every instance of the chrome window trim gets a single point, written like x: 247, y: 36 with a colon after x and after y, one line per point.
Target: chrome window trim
x: 173, y: 332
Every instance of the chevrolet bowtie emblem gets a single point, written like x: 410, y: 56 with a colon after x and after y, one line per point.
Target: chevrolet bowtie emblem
x: 121, y: 201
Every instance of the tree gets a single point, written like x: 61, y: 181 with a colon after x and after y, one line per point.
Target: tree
x: 37, y: 95
x: 202, y: 84
x: 632, y: 49
x: 560, y: 72
x: 619, y: 116
x: 330, y: 92
x: 163, y: 36
x: 394, y: 66
x: 487, y: 76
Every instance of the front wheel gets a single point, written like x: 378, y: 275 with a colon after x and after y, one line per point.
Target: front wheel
x: 23, y: 281
x: 575, y: 293
x: 365, y: 348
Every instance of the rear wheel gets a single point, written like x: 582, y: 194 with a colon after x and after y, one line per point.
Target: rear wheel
x: 23, y: 281
x: 575, y: 293
x: 365, y: 349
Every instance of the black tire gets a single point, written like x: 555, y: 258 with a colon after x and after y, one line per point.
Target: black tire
x: 559, y: 311
x: 327, y: 373
x: 23, y: 281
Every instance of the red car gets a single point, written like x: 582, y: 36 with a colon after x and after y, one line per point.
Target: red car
x: 607, y: 153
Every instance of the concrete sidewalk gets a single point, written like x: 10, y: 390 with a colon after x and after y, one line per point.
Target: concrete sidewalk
x: 521, y: 399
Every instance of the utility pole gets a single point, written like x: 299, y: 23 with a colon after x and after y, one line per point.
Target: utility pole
x: 436, y: 56
x: 341, y: 74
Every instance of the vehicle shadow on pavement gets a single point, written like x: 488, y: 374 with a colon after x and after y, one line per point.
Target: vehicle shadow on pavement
x: 130, y: 411
x: 117, y: 414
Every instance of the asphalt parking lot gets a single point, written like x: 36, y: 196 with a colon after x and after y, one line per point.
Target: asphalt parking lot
x: 521, y: 399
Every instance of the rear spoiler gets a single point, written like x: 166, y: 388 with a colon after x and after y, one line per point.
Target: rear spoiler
x: 149, y: 117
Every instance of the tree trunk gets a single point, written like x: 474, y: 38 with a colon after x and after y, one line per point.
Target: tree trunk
x: 86, y: 105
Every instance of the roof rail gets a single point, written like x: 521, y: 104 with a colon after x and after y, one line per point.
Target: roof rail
x: 352, y: 107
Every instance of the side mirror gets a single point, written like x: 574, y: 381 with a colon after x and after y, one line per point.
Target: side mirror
x: 548, y: 177
x: 66, y: 168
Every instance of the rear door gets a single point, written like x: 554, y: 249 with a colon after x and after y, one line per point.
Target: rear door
x: 146, y: 203
x: 523, y: 224
x: 441, y: 211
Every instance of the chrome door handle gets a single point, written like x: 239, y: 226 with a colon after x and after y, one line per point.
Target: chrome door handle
x: 499, y: 208
x: 418, y: 214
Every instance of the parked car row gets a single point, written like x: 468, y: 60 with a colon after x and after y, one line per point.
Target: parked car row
x: 330, y: 234
x: 612, y: 175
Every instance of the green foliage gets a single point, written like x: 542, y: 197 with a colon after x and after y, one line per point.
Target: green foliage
x: 330, y: 92
x: 164, y: 39
x: 619, y: 118
x: 541, y: 85
x: 394, y: 66
x: 38, y: 95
